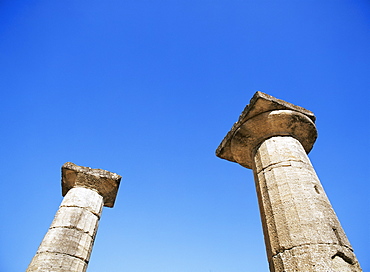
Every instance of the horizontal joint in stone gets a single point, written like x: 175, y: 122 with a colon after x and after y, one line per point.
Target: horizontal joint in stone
x: 265, y: 117
x: 49, y: 261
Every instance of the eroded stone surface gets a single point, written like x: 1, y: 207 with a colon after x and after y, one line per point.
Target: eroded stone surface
x: 316, y: 257
x: 84, y: 198
x: 68, y: 243
x: 259, y: 104
x: 295, y: 209
x: 71, y: 242
x: 55, y: 262
x: 104, y: 182
x: 254, y: 131
x: 301, y: 229
x: 75, y: 217
x: 73, y: 229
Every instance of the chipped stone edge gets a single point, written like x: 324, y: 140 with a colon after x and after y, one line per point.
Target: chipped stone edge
x: 99, y: 173
x: 259, y: 103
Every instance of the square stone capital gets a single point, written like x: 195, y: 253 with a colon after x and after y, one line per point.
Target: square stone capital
x: 103, y: 182
x: 260, y: 103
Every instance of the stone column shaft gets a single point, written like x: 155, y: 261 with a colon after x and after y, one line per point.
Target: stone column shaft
x: 301, y: 229
x: 69, y: 241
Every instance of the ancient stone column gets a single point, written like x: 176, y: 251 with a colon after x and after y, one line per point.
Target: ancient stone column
x: 68, y: 243
x: 301, y: 229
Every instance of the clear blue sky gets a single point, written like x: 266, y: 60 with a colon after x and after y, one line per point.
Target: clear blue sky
x: 148, y: 89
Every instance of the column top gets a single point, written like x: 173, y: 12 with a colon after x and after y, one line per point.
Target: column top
x: 103, y: 182
x: 260, y: 103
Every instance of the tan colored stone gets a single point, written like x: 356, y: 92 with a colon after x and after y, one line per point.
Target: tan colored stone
x: 84, y: 198
x: 301, y: 229
x: 55, y: 262
x: 248, y: 132
x: 317, y: 257
x: 68, y: 243
x: 104, y: 182
x: 78, y: 218
x: 275, y: 123
x: 295, y: 207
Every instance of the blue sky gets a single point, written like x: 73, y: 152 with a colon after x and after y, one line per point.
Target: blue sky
x: 148, y: 89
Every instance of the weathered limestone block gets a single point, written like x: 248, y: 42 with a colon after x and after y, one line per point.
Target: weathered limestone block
x: 295, y: 208
x: 104, y: 182
x: 75, y: 217
x: 84, y: 198
x: 68, y: 243
x: 55, y: 262
x: 268, y: 124
x: 316, y: 257
x: 71, y: 242
x: 264, y: 117
x: 301, y: 229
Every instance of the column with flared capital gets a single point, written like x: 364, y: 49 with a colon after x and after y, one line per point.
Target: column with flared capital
x: 301, y: 229
x: 68, y: 243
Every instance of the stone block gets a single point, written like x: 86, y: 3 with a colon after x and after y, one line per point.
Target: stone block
x: 296, y: 208
x: 301, y: 229
x: 288, y: 151
x: 264, y: 117
x: 56, y: 262
x: 67, y: 241
x: 84, y: 198
x: 315, y: 258
x: 104, y: 182
x: 78, y: 218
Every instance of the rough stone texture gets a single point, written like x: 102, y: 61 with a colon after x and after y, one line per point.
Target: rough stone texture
x: 75, y: 217
x: 55, y: 262
x: 72, y: 242
x: 71, y: 234
x: 104, y: 182
x: 268, y: 124
x: 261, y: 103
x: 315, y: 257
x: 68, y: 243
x: 84, y: 198
x: 301, y: 230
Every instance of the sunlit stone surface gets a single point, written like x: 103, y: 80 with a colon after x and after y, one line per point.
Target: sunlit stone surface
x: 301, y: 229
x: 68, y: 243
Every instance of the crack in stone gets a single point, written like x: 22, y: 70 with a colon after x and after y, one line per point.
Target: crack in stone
x: 283, y: 164
x: 73, y: 228
x: 308, y: 244
x: 73, y: 206
x: 62, y: 253
x: 344, y: 257
x: 337, y: 236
